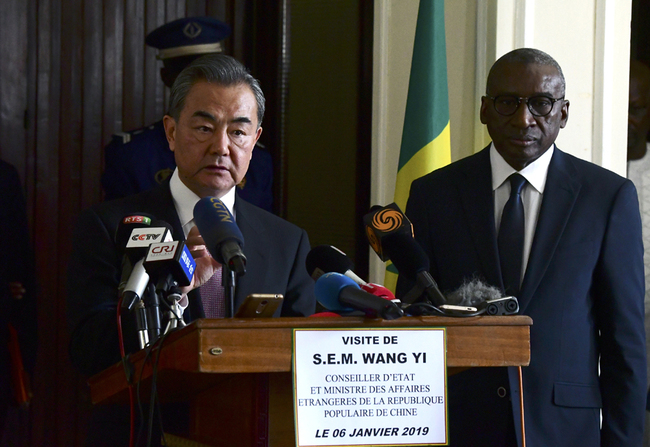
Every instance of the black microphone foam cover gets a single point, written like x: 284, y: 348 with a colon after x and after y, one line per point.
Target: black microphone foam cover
x: 406, y: 254
x: 127, y: 224
x: 326, y: 258
x: 222, y: 236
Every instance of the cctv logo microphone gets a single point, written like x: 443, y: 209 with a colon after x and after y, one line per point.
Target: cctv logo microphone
x: 136, y: 249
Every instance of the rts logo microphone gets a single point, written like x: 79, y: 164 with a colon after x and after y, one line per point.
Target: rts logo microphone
x: 137, y: 219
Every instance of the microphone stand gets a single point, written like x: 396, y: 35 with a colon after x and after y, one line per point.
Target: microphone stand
x: 175, y: 313
x: 229, y: 284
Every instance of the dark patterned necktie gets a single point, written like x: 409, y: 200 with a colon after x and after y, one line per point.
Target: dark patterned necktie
x: 511, y: 236
x: 213, y: 296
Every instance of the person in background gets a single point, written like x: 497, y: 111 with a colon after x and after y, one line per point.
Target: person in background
x: 140, y: 160
x: 18, y: 290
x: 561, y: 234
x: 638, y: 170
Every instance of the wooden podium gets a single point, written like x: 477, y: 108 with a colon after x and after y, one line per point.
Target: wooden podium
x: 236, y: 373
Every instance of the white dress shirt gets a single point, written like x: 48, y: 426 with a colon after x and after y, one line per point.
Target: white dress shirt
x: 185, y: 200
x: 531, y: 196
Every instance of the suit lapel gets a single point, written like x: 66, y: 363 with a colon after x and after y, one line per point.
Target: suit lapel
x: 161, y: 203
x: 478, y: 206
x: 560, y: 194
x: 256, y: 256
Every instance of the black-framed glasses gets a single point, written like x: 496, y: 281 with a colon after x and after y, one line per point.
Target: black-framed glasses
x: 538, y: 105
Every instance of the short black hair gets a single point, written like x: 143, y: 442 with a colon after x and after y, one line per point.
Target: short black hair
x: 219, y: 69
x: 528, y: 56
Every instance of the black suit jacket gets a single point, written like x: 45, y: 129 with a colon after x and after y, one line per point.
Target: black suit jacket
x: 274, y: 248
x: 583, y: 288
x: 17, y: 265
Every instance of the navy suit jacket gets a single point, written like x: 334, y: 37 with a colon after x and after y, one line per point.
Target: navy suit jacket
x: 583, y: 288
x: 275, y: 250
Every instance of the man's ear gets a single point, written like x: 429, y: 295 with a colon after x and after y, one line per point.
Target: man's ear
x: 565, y: 114
x: 170, y: 131
x: 484, y: 105
x: 257, y: 137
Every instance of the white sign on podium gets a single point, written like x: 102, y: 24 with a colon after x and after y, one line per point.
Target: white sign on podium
x: 370, y: 387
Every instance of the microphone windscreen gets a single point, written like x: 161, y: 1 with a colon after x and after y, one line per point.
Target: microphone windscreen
x: 216, y: 225
x: 326, y: 258
x: 162, y: 223
x: 377, y: 290
x: 406, y: 254
x: 127, y: 224
x: 473, y: 292
x: 325, y: 314
x: 328, y: 288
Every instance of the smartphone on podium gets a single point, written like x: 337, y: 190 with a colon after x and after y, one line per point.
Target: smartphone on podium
x: 259, y: 305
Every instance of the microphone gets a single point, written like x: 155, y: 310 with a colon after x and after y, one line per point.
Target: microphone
x: 135, y: 285
x: 221, y: 234
x: 136, y: 250
x: 133, y: 294
x: 127, y: 224
x: 168, y: 263
x: 122, y: 234
x: 410, y: 260
x: 327, y: 258
x: 390, y: 234
x: 382, y: 222
x: 337, y: 292
x: 380, y: 291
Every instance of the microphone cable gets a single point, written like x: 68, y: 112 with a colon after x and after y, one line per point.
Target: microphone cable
x: 128, y: 372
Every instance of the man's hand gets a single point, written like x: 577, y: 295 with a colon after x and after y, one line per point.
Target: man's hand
x: 206, y: 266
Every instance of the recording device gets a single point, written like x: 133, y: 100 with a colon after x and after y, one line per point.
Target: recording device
x: 484, y: 298
x: 221, y: 234
x: 327, y: 258
x: 337, y: 292
x: 259, y: 305
x: 508, y: 305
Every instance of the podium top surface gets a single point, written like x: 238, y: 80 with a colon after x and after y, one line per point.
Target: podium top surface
x: 210, y: 347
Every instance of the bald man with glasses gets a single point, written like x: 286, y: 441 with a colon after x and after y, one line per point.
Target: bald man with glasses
x: 562, y: 235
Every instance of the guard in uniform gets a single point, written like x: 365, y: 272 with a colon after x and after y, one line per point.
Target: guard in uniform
x: 139, y: 160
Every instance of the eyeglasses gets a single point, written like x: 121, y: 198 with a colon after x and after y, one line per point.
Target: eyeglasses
x: 538, y: 105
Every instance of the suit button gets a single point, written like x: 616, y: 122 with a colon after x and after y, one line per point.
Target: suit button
x: 502, y: 392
